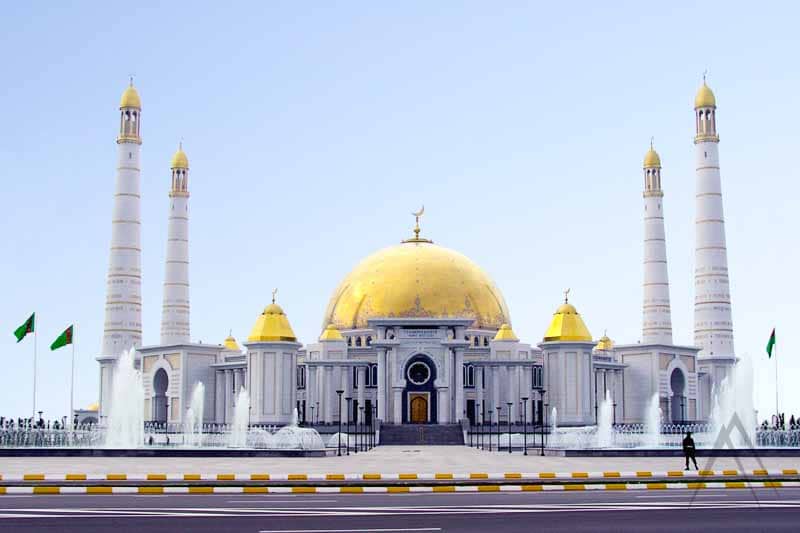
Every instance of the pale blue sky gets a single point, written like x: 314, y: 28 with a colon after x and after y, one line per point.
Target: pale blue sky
x: 313, y: 129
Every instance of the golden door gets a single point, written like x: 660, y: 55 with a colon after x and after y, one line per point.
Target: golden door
x: 419, y: 410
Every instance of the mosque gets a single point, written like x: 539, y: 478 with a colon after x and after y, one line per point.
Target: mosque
x: 417, y: 333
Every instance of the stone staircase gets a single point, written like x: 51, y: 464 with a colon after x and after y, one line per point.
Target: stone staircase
x: 422, y: 434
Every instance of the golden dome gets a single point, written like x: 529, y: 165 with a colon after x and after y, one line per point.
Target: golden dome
x: 704, y: 98
x: 272, y: 326
x: 416, y: 279
x: 231, y: 344
x: 604, y: 344
x: 93, y: 407
x: 130, y: 98
x: 179, y: 160
x: 651, y: 159
x: 505, y: 333
x: 567, y: 325
x: 331, y: 334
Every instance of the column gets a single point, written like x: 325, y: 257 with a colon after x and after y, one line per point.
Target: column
x: 459, y: 383
x: 527, y: 390
x: 328, y: 398
x: 443, y: 406
x: 219, y: 397
x: 397, y: 401
x: 383, y: 398
x: 362, y: 382
x: 311, y: 392
x: 479, y: 393
x: 228, y: 396
x: 495, y: 392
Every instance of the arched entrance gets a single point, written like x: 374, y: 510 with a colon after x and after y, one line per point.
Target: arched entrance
x: 677, y: 382
x: 419, y: 395
x: 419, y: 409
x: 160, y: 384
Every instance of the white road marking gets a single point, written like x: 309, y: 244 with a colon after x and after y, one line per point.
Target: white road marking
x: 368, y: 530
x: 296, y: 500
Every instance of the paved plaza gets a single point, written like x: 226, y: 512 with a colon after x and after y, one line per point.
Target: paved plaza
x: 383, y: 459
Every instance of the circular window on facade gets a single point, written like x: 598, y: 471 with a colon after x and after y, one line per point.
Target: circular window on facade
x: 419, y: 373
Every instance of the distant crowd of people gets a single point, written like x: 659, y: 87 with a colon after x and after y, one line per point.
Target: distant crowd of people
x: 779, y: 422
x: 11, y: 424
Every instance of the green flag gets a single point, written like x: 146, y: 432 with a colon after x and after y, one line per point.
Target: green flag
x: 63, y: 339
x: 771, y: 343
x: 24, y: 329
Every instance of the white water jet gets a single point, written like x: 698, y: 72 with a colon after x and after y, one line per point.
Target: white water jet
x: 293, y: 437
x: 125, y: 421
x: 241, y: 420
x: 193, y: 423
x: 604, y: 437
x: 652, y: 424
x: 733, y: 408
x: 553, y: 427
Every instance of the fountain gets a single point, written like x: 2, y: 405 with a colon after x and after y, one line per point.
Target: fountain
x: 193, y: 424
x: 605, y: 433
x: 733, y: 401
x: 241, y: 420
x: 652, y: 426
x: 126, y: 416
x: 293, y: 437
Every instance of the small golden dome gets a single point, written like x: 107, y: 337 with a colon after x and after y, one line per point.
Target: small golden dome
x: 705, y: 97
x: 331, y: 334
x: 567, y: 325
x: 179, y: 160
x: 130, y: 98
x: 272, y: 326
x: 604, y: 344
x: 651, y: 159
x: 505, y: 333
x: 93, y: 407
x: 231, y: 344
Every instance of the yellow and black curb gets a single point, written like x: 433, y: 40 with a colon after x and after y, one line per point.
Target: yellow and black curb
x: 398, y: 489
x: 409, y: 477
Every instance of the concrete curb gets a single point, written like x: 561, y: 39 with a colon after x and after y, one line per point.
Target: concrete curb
x: 51, y: 490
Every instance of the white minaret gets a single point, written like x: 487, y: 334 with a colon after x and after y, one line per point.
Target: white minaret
x: 175, y: 313
x: 656, y: 320
x: 122, y: 328
x: 713, y: 326
x: 123, y: 318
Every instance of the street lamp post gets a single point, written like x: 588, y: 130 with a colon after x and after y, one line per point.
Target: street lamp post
x: 339, y: 403
x: 543, y: 420
x: 509, y: 424
x: 348, y: 400
x: 491, y: 432
x: 478, y: 441
x: 317, y: 413
x: 312, y: 415
x: 525, y: 425
x: 361, y: 408
x: 499, y: 408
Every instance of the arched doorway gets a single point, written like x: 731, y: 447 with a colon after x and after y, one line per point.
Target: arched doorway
x: 160, y: 384
x: 419, y: 395
x: 419, y: 409
x: 677, y: 382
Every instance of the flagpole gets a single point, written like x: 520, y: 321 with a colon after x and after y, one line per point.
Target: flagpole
x: 72, y: 388
x: 777, y: 412
x: 35, y: 336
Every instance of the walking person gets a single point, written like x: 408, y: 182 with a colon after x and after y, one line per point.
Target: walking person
x: 688, y: 450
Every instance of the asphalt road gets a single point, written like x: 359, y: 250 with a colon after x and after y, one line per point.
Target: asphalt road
x: 635, y: 511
